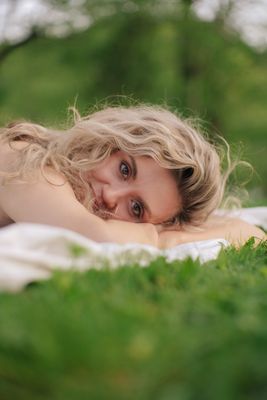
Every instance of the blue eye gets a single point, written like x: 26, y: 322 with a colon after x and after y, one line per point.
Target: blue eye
x: 125, y: 170
x: 137, y: 209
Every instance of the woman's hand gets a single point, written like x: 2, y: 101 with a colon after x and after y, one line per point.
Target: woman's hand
x: 130, y: 232
x: 236, y: 231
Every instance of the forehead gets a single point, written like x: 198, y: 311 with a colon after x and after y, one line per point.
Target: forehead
x: 158, y: 188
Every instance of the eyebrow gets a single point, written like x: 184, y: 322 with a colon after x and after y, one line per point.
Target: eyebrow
x: 134, y: 167
x: 134, y: 175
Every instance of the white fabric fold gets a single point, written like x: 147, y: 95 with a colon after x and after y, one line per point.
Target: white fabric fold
x: 254, y: 215
x: 30, y: 252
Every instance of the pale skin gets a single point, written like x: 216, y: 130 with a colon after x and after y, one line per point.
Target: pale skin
x: 133, y: 189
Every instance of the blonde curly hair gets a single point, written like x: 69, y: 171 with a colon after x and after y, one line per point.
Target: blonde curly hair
x: 153, y: 131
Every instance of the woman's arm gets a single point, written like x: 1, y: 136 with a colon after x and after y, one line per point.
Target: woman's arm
x: 236, y: 231
x: 56, y: 205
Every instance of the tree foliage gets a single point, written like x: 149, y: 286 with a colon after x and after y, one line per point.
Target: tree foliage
x: 152, y: 50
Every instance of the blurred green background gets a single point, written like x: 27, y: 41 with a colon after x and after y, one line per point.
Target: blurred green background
x: 154, y: 51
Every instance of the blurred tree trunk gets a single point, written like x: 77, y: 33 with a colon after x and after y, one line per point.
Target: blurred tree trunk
x: 198, y: 66
x: 184, y: 52
x: 124, y: 62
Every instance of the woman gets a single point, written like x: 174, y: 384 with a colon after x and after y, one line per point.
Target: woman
x: 112, y: 169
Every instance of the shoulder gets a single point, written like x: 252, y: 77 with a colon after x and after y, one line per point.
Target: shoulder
x: 9, y: 152
x: 238, y: 231
x: 10, y: 162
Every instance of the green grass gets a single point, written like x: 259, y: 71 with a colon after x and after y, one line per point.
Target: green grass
x: 178, y: 331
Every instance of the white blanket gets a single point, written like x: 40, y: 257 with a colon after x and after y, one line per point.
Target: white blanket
x: 30, y: 252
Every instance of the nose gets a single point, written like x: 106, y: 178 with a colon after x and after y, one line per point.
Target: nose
x: 112, y: 195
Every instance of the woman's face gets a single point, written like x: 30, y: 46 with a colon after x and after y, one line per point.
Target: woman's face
x: 134, y: 189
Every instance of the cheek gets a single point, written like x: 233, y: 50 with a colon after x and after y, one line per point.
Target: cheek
x: 105, y: 173
x: 100, y: 172
x: 122, y: 212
